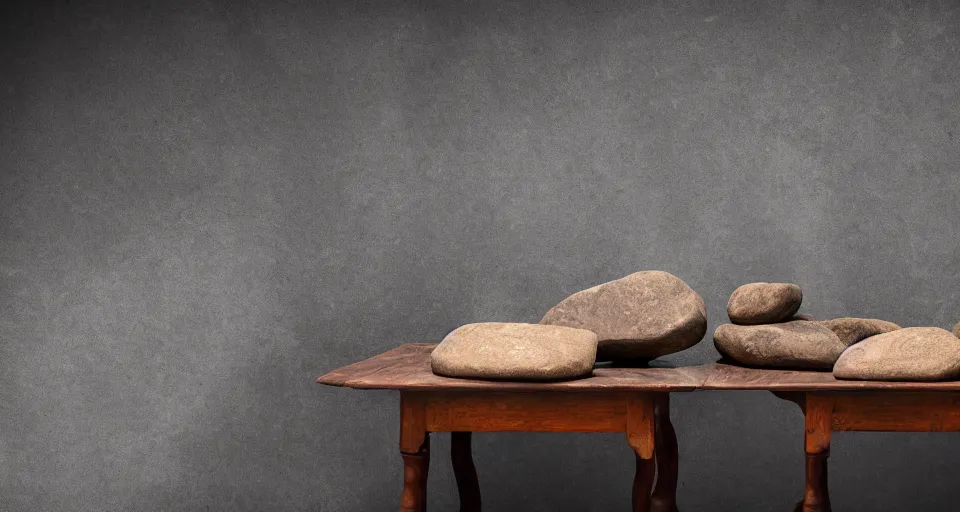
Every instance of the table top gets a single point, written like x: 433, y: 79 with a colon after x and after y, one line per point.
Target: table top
x: 407, y: 367
x: 722, y: 376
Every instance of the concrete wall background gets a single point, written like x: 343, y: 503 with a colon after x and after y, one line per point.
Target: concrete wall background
x: 203, y: 207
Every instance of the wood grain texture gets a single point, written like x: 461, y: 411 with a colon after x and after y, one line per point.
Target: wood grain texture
x: 408, y: 368
x: 499, y: 411
x: 897, y: 411
x: 721, y: 376
x: 639, y: 423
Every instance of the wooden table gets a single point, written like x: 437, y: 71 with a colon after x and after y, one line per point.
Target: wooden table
x: 630, y: 400
x: 830, y: 405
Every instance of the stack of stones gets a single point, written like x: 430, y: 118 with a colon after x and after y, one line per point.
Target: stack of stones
x: 642, y: 316
x: 766, y: 331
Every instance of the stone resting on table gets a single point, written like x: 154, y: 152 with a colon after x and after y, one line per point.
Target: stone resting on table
x: 510, y: 376
x: 633, y: 401
x: 637, y: 318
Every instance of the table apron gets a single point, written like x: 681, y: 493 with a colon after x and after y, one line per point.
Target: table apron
x: 896, y: 411
x: 486, y: 411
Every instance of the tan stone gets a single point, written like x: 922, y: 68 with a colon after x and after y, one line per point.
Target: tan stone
x: 796, y: 344
x: 643, y: 315
x: 514, y: 351
x: 764, y: 303
x: 854, y: 330
x: 956, y: 330
x: 914, y: 353
x: 803, y: 316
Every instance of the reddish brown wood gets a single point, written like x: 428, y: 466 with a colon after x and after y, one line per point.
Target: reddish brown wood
x: 466, y: 411
x: 664, y: 497
x: 897, y: 412
x: 496, y: 411
x: 408, y: 368
x: 468, y: 486
x: 816, y: 497
x: 415, y: 450
x: 817, y: 433
x: 415, y: 469
x: 639, y: 425
x: 643, y: 483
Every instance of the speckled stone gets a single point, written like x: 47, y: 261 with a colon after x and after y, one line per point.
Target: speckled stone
x: 764, y: 303
x: 803, y: 316
x: 641, y: 316
x: 911, y: 354
x: 855, y: 330
x: 515, y: 351
x: 796, y: 344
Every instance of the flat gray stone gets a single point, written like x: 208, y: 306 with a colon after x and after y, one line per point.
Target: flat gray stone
x: 641, y: 316
x: 797, y: 344
x: 956, y: 330
x: 514, y: 351
x: 912, y: 354
x: 855, y: 330
x: 764, y: 303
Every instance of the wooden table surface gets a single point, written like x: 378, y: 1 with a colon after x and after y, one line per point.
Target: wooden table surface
x: 721, y: 376
x: 622, y: 393
x: 407, y: 368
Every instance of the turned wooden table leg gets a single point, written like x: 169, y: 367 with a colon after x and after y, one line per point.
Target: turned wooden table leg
x: 664, y: 497
x: 819, y: 416
x: 461, y: 454
x: 640, y: 435
x: 415, y: 450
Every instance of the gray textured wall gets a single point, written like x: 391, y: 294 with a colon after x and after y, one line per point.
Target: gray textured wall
x: 204, y: 207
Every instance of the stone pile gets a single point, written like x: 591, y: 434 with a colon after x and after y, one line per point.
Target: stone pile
x: 766, y: 331
x: 638, y: 317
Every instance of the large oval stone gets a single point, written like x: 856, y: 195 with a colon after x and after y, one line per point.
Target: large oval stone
x: 641, y: 316
x: 855, y: 330
x: 797, y: 344
x: 913, y: 354
x: 764, y: 303
x: 514, y: 351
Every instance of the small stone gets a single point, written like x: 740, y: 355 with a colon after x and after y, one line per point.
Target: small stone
x: 956, y: 330
x: 515, y: 351
x: 796, y: 344
x: 855, y: 330
x: 803, y: 316
x: 912, y: 354
x: 764, y: 303
x: 641, y: 316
